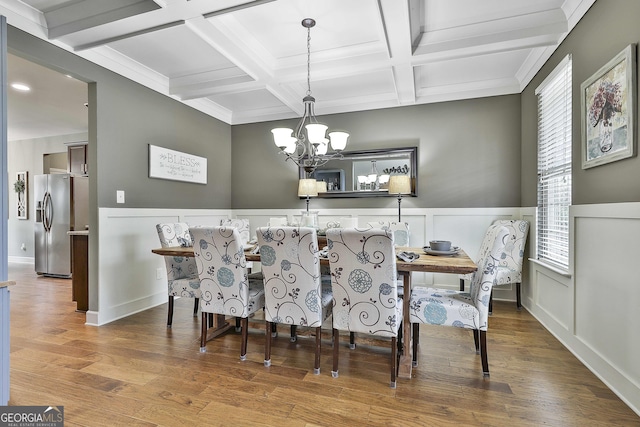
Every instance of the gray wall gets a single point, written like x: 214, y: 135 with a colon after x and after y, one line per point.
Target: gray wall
x: 469, y: 155
x: 124, y: 117
x: 605, y: 30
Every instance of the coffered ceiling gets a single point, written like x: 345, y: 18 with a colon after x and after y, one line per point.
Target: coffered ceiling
x: 245, y: 61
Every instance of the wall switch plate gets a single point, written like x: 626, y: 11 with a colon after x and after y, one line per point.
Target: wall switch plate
x: 159, y: 272
x: 119, y: 196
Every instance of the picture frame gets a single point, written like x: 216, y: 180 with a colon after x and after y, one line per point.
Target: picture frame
x: 608, y: 111
x: 21, y: 188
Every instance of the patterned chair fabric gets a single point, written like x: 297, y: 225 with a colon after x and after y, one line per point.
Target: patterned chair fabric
x: 294, y: 294
x: 363, y: 280
x: 510, y: 268
x: 457, y: 308
x: 400, y: 230
x: 182, y: 274
x: 243, y: 228
x: 224, y: 283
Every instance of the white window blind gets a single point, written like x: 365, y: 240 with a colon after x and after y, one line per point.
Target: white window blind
x: 554, y: 165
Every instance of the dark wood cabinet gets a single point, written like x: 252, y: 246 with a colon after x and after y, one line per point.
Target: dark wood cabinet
x: 80, y: 270
x: 77, y: 158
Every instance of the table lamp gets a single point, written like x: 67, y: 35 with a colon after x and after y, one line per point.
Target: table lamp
x: 399, y: 184
x: 307, y: 188
x: 321, y: 186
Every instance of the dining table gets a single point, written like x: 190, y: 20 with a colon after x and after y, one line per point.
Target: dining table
x: 458, y: 263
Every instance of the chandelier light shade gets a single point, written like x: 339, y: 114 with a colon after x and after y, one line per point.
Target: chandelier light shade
x: 308, y: 146
x: 399, y: 184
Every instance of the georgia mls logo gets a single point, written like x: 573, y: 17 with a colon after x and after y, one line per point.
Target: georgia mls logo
x: 32, y: 416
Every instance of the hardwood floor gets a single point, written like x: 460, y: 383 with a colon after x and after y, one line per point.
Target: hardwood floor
x: 135, y: 372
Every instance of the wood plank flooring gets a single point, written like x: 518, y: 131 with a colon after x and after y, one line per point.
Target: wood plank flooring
x: 135, y: 372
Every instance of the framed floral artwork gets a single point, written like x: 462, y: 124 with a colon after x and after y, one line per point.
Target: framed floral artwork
x: 607, y: 106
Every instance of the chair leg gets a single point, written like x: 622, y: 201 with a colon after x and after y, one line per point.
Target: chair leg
x: 238, y: 326
x: 267, y: 344
x: 274, y: 330
x: 394, y: 361
x: 316, y: 366
x: 210, y: 319
x: 352, y: 340
x: 483, y: 354
x: 336, y: 347
x: 244, y: 322
x: 203, y: 332
x: 518, y: 298
x: 416, y: 341
x: 476, y: 341
x: 293, y: 334
x: 461, y: 285
x: 170, y: 317
x: 196, y: 303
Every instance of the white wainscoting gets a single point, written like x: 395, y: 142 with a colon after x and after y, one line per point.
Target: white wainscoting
x: 595, y: 310
x: 127, y: 268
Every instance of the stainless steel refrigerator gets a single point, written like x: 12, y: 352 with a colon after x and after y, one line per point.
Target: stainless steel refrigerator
x: 61, y: 205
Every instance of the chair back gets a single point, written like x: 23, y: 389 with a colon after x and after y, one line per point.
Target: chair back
x: 243, y: 228
x: 363, y: 281
x: 221, y: 264
x: 291, y: 273
x: 484, y: 279
x: 177, y: 234
x: 400, y: 230
x: 514, y: 249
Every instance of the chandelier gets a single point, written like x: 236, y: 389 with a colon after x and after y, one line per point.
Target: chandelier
x: 309, y: 151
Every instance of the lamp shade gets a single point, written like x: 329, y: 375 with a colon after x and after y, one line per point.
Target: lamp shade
x: 307, y: 188
x: 321, y: 186
x: 399, y: 184
x: 282, y: 136
x: 338, y: 140
x: 316, y: 133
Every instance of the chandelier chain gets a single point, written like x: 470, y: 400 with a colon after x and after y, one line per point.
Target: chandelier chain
x: 308, y: 61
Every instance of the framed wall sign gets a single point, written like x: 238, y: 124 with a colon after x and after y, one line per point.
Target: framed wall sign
x: 607, y: 106
x: 177, y: 166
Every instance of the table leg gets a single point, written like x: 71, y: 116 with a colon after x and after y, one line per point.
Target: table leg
x: 404, y: 368
x: 220, y: 326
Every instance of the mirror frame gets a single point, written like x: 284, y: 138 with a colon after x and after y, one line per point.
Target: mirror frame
x: 372, y: 154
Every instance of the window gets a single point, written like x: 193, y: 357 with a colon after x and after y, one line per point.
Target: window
x: 554, y: 165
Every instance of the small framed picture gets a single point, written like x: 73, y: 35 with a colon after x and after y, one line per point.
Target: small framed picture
x: 607, y: 106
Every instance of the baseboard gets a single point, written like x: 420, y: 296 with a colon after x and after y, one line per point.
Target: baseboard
x: 21, y: 259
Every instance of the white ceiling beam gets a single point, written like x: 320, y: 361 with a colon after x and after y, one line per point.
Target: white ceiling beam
x: 76, y: 16
x: 396, y: 23
x: 514, y: 31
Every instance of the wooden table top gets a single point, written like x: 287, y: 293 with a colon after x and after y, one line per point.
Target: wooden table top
x: 456, y: 264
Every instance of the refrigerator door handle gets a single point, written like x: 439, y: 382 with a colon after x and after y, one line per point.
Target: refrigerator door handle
x: 48, y: 212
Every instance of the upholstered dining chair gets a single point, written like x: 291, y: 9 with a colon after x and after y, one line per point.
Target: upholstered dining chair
x: 224, y: 283
x: 242, y: 225
x: 510, y: 268
x: 365, y: 293
x: 294, y: 294
x: 400, y: 230
x: 456, y: 308
x: 182, y: 274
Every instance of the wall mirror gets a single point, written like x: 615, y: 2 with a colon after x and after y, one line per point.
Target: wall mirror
x: 366, y: 173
